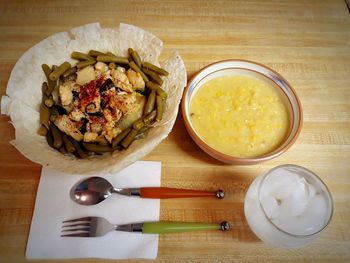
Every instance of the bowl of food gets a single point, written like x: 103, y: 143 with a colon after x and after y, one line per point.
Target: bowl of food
x: 241, y: 112
x: 93, y: 99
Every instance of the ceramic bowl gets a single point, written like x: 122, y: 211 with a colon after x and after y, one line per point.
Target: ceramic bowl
x: 254, y: 70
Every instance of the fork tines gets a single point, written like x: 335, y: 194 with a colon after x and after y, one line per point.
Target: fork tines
x: 79, y: 227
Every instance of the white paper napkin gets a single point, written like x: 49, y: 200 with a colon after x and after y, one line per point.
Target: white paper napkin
x: 53, y: 205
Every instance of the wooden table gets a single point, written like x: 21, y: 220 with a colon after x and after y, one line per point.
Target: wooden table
x: 308, y: 42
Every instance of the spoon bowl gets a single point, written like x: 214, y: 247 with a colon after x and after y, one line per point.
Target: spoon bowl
x: 91, y: 191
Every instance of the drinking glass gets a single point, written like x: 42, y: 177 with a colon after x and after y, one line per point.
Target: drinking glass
x: 288, y: 206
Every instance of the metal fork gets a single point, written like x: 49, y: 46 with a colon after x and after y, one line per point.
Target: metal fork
x: 98, y: 226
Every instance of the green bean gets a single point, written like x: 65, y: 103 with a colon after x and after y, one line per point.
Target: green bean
x: 152, y: 85
x: 154, y: 68
x: 70, y: 71
x: 85, y: 63
x: 44, y: 96
x: 57, y: 72
x: 133, y: 66
x: 129, y: 138
x: 112, y: 65
x: 160, y: 108
x: 57, y: 136
x: 80, y: 56
x: 51, y: 84
x: 143, y: 92
x: 138, y: 124
x: 42, y: 130
x: 135, y: 57
x: 143, y: 129
x: 120, y: 137
x: 79, y: 150
x: 115, y: 59
x: 49, y: 102
x: 153, y: 76
x: 46, y: 69
x: 53, y: 117
x: 49, y: 139
x: 51, y: 87
x: 150, y: 102
x: 44, y: 115
x: 162, y: 93
x: 109, y: 53
x: 53, y: 113
x: 44, y: 88
x: 101, y: 140
x: 68, y: 144
x: 62, y: 150
x: 150, y: 117
x: 54, y: 110
x: 95, y: 53
x: 71, y: 77
x: 92, y: 147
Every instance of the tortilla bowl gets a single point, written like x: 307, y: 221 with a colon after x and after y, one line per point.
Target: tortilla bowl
x: 23, y: 94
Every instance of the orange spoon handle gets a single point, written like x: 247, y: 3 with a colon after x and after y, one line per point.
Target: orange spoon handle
x: 166, y: 192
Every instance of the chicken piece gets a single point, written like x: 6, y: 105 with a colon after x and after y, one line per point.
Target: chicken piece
x: 110, y: 131
x: 69, y: 127
x: 76, y: 114
x: 85, y: 75
x: 90, y: 136
x: 95, y: 124
x: 123, y: 101
x: 121, y: 80
x: 132, y: 107
x: 65, y: 94
x: 101, y: 67
x: 75, y: 87
x: 95, y: 127
x: 112, y: 115
x: 135, y: 79
x: 107, y: 75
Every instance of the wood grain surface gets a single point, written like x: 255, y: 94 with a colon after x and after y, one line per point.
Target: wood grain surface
x: 308, y: 42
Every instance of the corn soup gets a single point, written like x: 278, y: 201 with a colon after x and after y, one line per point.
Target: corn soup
x: 239, y: 116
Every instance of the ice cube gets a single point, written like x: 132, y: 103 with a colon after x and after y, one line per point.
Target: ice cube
x: 297, y: 200
x: 286, y: 222
x: 312, y: 190
x: 313, y: 219
x: 279, y: 183
x: 270, y: 206
x: 317, y: 214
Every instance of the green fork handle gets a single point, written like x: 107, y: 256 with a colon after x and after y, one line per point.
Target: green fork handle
x: 163, y: 227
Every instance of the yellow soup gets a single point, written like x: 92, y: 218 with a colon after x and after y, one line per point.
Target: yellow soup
x: 239, y: 116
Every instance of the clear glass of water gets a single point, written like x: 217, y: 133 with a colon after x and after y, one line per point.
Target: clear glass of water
x: 288, y: 206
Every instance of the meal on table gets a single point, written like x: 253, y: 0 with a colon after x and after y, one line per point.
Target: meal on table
x: 101, y: 104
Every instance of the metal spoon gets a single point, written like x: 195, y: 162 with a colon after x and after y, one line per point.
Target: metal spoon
x: 94, y: 190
